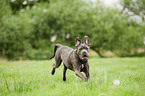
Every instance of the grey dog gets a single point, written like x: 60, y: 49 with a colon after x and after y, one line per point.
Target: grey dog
x: 75, y: 60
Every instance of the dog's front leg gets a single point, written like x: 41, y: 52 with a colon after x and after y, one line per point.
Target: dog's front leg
x: 78, y: 73
x: 86, y: 70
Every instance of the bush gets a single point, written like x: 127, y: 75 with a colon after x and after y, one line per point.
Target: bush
x: 15, y: 35
x: 20, y: 37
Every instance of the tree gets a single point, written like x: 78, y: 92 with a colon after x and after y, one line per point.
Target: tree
x: 17, y: 5
x: 107, y: 28
x: 135, y: 6
x: 4, y: 10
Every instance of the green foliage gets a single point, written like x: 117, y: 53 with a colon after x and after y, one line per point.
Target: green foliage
x: 22, y: 36
x: 28, y: 34
x: 27, y: 78
x: 15, y: 35
x: 107, y: 28
x: 4, y: 10
x: 17, y: 5
x: 135, y: 6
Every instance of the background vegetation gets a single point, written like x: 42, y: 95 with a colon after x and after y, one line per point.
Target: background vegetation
x: 30, y: 29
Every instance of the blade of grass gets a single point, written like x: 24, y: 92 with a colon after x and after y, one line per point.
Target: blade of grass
x: 6, y: 82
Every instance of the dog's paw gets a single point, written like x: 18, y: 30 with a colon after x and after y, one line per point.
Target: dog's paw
x: 64, y: 79
x: 85, y: 79
x: 52, y: 72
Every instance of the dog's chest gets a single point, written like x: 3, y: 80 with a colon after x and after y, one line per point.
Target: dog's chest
x: 82, y: 66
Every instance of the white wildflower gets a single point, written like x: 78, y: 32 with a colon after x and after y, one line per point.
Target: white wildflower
x: 25, y: 2
x: 67, y: 36
x: 53, y: 38
x: 44, y: 10
x: 116, y: 82
x: 13, y: 0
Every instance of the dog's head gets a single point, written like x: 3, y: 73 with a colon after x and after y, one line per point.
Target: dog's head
x: 83, y: 49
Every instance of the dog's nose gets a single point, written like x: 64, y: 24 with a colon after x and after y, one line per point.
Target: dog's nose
x: 84, y: 53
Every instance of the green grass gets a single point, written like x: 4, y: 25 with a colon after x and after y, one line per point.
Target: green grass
x: 33, y: 78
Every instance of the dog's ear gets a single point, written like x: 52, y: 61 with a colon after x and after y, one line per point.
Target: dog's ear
x: 78, y: 42
x: 86, y: 40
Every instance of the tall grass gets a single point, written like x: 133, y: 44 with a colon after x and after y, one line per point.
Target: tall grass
x: 33, y: 78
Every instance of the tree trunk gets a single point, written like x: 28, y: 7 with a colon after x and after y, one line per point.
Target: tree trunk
x: 98, y: 51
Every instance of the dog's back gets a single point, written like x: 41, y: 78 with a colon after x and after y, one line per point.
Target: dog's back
x: 59, y: 49
x: 64, y: 53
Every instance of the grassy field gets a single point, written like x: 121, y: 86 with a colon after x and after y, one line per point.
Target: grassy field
x: 33, y: 78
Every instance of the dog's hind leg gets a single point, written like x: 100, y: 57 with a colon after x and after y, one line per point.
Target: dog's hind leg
x: 64, y: 73
x: 56, y: 64
x: 53, y: 70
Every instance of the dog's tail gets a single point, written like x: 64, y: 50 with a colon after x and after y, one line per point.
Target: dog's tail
x: 55, y: 48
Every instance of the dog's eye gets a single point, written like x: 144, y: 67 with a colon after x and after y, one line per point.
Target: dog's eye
x: 80, y: 48
x: 86, y: 48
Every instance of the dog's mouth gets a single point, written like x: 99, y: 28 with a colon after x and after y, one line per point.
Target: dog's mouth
x: 85, y: 57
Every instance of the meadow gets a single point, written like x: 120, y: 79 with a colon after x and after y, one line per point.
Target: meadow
x: 33, y: 78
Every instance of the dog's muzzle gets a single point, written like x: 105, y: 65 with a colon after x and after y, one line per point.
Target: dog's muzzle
x: 85, y: 55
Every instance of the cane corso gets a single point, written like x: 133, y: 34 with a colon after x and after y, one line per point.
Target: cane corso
x: 75, y: 60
